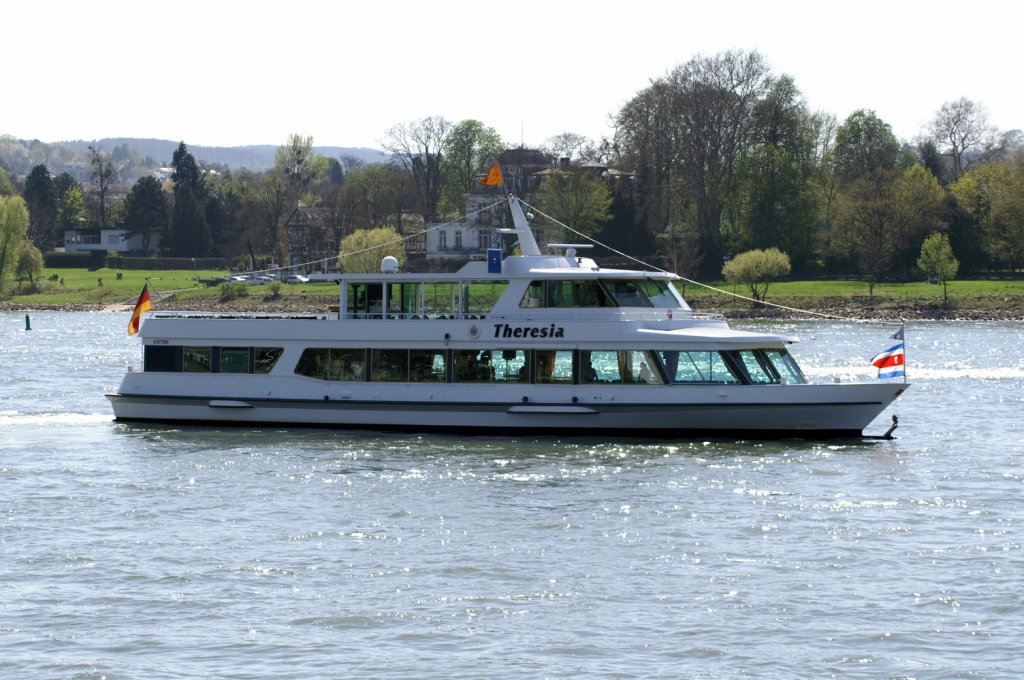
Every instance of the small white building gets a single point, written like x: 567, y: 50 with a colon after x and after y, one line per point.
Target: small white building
x: 117, y: 240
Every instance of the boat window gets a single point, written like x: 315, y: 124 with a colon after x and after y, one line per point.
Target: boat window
x: 661, y: 293
x: 427, y: 365
x: 264, y: 358
x: 473, y: 365
x: 759, y: 370
x: 198, y: 359
x: 639, y: 368
x: 786, y: 366
x: 313, y: 363
x: 234, y: 359
x: 389, y: 365
x: 440, y: 299
x: 405, y: 300
x: 347, y: 364
x: 534, y: 296
x: 628, y: 293
x: 162, y: 358
x: 364, y: 300
x: 566, y: 293
x: 511, y: 365
x: 332, y: 364
x: 599, y: 367
x: 553, y: 366
x: 697, y: 367
x: 591, y: 294
x: 479, y: 297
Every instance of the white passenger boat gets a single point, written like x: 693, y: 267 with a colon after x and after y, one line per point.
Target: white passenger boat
x: 529, y: 344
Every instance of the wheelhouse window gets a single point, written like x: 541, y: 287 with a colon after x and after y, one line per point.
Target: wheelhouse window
x: 645, y: 293
x: 566, y: 293
x: 768, y: 367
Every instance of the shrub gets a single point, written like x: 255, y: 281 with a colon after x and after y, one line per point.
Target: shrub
x: 756, y: 268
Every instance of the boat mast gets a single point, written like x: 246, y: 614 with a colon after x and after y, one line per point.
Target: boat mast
x: 527, y: 243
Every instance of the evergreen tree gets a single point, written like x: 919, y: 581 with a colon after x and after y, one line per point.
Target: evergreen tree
x: 145, y: 209
x: 42, y: 206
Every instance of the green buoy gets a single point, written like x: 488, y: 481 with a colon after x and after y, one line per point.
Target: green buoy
x: 28, y: 324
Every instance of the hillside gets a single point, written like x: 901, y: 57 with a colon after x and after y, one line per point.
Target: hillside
x: 20, y: 156
x: 254, y: 157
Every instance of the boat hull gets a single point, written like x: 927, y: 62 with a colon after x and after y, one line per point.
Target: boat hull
x: 781, y: 411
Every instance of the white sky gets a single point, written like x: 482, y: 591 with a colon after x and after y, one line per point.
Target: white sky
x: 229, y: 73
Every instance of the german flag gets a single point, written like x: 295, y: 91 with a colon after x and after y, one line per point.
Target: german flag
x: 141, y: 307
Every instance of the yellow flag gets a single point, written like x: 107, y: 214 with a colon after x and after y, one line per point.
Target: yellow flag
x: 493, y: 178
x: 141, y: 307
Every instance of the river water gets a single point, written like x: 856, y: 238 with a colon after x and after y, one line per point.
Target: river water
x: 133, y: 551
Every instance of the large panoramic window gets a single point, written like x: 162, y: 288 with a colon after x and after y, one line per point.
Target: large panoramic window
x: 697, y: 367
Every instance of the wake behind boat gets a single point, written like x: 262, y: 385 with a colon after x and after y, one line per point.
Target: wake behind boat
x: 529, y: 344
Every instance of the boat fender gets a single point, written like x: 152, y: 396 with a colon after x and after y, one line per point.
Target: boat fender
x: 526, y: 399
x: 327, y: 397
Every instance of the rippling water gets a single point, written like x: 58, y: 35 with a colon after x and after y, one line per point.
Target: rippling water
x: 158, y: 552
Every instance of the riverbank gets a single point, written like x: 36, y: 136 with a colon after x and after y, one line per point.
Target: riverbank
x: 971, y: 308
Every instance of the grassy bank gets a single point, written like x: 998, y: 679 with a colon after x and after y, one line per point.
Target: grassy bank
x: 180, y: 290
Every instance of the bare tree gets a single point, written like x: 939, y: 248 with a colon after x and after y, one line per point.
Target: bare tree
x: 102, y: 176
x: 960, y: 129
x: 567, y: 145
x: 418, y: 148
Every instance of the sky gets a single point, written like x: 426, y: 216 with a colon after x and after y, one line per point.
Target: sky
x: 228, y: 73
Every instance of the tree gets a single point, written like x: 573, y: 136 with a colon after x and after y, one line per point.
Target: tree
x: 71, y: 211
x: 937, y: 261
x: 568, y: 145
x: 42, y: 206
x: 13, y: 230
x: 362, y: 251
x: 29, y: 265
x: 882, y: 213
x: 102, y: 176
x: 469, y: 146
x: 994, y: 193
x: 960, y: 129
x: 7, y: 187
x: 693, y: 126
x: 145, y: 209
x: 188, y: 232
x: 418, y: 147
x: 580, y: 201
x: 186, y: 171
x: 864, y: 145
x: 756, y: 268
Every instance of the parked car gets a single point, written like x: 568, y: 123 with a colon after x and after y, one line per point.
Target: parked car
x: 296, y: 278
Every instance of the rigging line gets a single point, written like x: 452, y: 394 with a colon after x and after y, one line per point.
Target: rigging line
x: 826, y: 315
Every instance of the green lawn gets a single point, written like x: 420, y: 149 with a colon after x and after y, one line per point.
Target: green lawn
x: 82, y: 287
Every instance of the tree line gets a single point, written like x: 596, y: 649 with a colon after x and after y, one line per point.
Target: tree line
x: 718, y: 157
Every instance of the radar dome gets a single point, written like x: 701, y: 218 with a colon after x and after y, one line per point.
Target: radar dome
x: 389, y: 265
